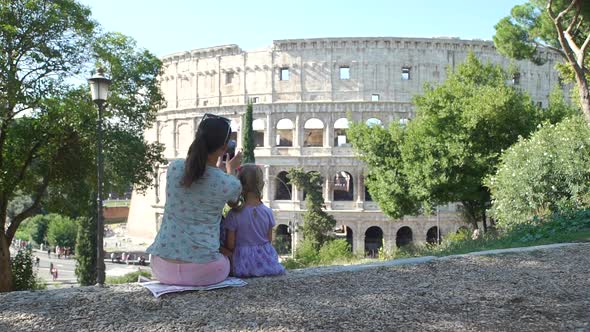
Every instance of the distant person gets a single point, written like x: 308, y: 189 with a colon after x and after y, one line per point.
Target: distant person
x: 48, y: 252
x: 186, y: 248
x: 37, y: 261
x: 54, y: 272
x: 248, y: 230
x: 112, y: 257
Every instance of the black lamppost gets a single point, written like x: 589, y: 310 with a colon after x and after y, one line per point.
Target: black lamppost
x: 99, y: 87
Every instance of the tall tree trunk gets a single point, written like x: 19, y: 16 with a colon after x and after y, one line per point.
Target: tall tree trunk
x: 470, y: 214
x: 5, y: 269
x: 574, y: 54
x: 584, y: 94
x: 483, y: 219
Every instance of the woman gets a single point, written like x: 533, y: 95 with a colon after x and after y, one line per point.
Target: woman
x: 186, y: 249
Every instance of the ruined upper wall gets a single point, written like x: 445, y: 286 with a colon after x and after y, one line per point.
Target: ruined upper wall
x: 227, y: 75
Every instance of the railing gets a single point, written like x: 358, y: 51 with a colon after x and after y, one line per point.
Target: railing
x: 116, y: 203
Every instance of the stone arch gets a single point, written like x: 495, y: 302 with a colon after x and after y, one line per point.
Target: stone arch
x: 165, y: 137
x: 433, y: 235
x: 235, y: 128
x: 374, y: 122
x: 285, y: 130
x: 349, y: 237
x: 259, y: 126
x: 343, y: 186
x: 313, y: 131
x: 184, y: 134
x: 340, y: 129
x: 404, y: 236
x: 282, y: 240
x: 283, y: 188
x: 368, y: 197
x: 162, y: 186
x: 373, y: 241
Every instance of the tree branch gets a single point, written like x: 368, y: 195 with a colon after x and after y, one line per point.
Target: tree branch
x: 576, y: 15
x: 16, y: 221
x: 583, y: 51
x: 565, y: 11
x: 567, y: 50
x: 567, y: 33
x: 572, y: 43
x: 28, y: 161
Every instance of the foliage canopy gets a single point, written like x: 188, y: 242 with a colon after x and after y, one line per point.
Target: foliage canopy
x: 48, y: 120
x: 443, y: 155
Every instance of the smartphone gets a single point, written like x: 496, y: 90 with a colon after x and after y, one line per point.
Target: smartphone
x: 231, y: 150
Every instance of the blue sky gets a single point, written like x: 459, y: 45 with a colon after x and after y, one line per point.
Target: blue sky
x: 166, y: 27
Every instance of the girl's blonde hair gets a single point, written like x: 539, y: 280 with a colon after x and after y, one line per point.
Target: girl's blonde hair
x: 252, y: 179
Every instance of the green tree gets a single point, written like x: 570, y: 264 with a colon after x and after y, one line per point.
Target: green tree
x: 61, y: 231
x: 388, y: 185
x: 35, y: 228
x: 248, y: 138
x: 42, y: 44
x: 547, y: 173
x: 558, y: 108
x: 86, y: 251
x: 444, y: 154
x: 560, y: 25
x: 48, y: 126
x: 317, y: 224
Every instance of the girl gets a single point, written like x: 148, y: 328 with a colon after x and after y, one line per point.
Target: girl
x: 249, y: 229
x: 186, y: 248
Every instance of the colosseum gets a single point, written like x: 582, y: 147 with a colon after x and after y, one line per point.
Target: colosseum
x: 302, y: 91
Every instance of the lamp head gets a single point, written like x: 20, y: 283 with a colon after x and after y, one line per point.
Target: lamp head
x: 99, y: 86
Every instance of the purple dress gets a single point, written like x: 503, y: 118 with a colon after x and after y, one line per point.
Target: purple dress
x: 254, y: 255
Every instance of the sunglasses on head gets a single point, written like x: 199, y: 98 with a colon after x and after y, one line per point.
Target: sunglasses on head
x: 213, y: 116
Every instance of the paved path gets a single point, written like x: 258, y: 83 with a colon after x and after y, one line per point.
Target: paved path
x: 533, y: 289
x: 66, y: 269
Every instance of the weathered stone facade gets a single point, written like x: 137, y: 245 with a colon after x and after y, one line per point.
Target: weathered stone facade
x: 303, y: 90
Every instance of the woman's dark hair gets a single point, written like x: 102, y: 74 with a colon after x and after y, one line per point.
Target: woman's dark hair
x: 213, y: 133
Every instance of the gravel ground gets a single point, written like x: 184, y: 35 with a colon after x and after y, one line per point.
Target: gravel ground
x: 545, y: 290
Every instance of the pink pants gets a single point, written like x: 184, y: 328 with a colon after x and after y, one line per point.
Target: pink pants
x: 190, y: 274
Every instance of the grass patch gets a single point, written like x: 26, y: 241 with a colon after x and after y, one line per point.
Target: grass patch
x: 560, y: 228
x: 128, y: 278
x: 492, y: 241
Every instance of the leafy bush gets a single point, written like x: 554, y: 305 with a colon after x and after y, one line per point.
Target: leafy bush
x: 128, y: 278
x: 463, y: 234
x: 61, y: 231
x: 556, y: 224
x: 334, y: 250
x: 291, y: 264
x: 307, y: 254
x: 329, y: 253
x: 547, y: 173
x: 24, y: 276
x: 282, y: 245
